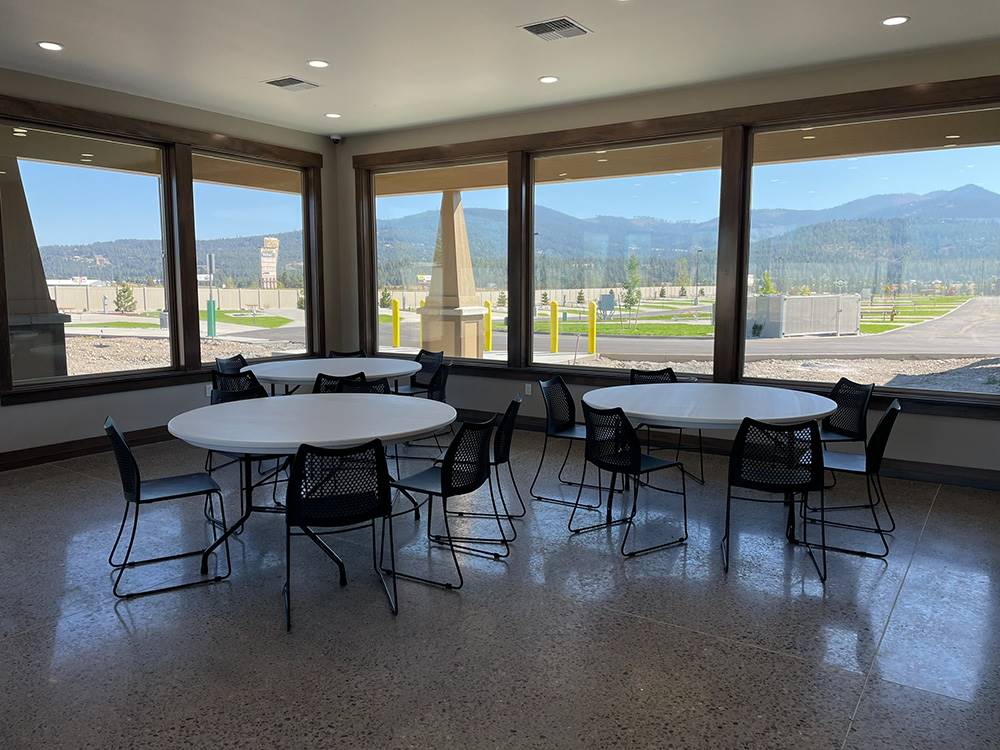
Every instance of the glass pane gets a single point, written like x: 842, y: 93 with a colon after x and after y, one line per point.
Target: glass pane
x: 441, y: 237
x: 251, y: 265
x: 875, y: 253
x: 626, y: 244
x: 83, y: 254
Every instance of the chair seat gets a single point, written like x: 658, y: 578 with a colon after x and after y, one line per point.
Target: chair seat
x: 827, y: 436
x: 184, y: 485
x: 426, y: 481
x: 411, y: 390
x: 576, y: 432
x: 849, y: 463
x: 649, y: 463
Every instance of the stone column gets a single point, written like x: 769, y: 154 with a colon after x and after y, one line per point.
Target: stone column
x: 453, y: 319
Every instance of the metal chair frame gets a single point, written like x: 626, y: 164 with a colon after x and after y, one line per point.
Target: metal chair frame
x: 667, y: 375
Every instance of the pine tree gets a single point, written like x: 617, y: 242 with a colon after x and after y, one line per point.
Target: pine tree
x: 580, y: 298
x: 502, y: 299
x: 385, y: 298
x: 124, y: 299
x: 545, y: 298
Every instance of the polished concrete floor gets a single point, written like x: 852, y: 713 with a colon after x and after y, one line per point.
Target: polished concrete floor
x: 563, y: 645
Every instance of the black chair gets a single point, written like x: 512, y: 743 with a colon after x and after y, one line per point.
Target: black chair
x: 436, y: 390
x: 334, y: 354
x: 560, y: 424
x: 420, y: 381
x: 463, y: 470
x: 379, y: 386
x: 331, y: 383
x: 869, y: 465
x: 139, y: 493
x: 667, y: 375
x: 784, y: 459
x: 343, y: 489
x: 612, y: 445
x: 237, y: 386
x: 230, y: 365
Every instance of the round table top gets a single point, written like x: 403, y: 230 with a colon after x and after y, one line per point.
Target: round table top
x: 304, y: 371
x: 710, y: 405
x: 279, y: 425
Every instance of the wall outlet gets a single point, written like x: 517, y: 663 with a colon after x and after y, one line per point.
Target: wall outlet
x: 527, y: 389
x: 208, y: 391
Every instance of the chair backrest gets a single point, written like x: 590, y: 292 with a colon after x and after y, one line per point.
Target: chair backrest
x: 437, y: 388
x: 875, y: 450
x: 230, y: 365
x: 504, y: 435
x: 612, y: 444
x: 338, y: 486
x: 641, y: 377
x: 466, y: 464
x: 429, y: 363
x: 851, y: 417
x: 128, y: 469
x: 560, y: 411
x: 334, y: 354
x: 237, y: 386
x: 777, y: 458
x: 354, y: 385
x: 332, y: 384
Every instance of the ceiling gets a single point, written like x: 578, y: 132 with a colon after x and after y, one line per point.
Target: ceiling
x: 398, y: 63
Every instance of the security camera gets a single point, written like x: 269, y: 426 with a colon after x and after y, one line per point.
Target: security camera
x: 337, y: 138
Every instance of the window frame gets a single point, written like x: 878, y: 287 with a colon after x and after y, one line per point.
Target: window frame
x: 737, y: 126
x: 176, y: 146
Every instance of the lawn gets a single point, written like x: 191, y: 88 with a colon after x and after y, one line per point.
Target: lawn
x: 616, y: 329
x: 245, y: 319
x: 384, y: 318
x: 878, y: 327
x: 114, y: 324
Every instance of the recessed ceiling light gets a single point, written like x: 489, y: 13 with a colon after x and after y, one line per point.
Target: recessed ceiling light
x: 2, y: 172
x: 602, y: 160
x: 332, y: 115
x: 950, y: 145
x: 86, y: 161
x: 317, y: 63
x: 563, y: 174
x: 895, y: 20
x: 548, y: 79
x: 51, y: 46
x: 809, y: 138
x: 601, y: 152
x: 20, y: 130
x: 20, y: 133
x: 87, y: 156
x: 953, y: 137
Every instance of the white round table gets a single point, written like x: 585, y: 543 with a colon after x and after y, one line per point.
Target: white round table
x: 299, y: 372
x: 709, y: 406
x: 275, y: 427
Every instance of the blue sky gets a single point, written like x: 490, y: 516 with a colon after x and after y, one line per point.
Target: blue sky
x: 72, y: 205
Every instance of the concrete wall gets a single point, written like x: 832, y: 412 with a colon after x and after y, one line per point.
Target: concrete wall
x: 91, y: 298
x: 919, y: 438
x: 29, y: 425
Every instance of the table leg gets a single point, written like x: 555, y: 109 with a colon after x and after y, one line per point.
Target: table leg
x: 790, y: 523
x: 246, y: 463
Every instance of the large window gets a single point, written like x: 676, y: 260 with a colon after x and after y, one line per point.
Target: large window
x: 625, y: 252
x: 441, y: 250
x: 83, y: 244
x: 875, y: 253
x: 251, y: 260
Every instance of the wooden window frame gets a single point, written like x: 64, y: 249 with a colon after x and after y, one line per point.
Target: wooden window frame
x: 176, y: 144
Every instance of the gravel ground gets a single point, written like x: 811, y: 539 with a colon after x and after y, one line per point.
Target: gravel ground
x: 971, y: 375
x: 87, y: 355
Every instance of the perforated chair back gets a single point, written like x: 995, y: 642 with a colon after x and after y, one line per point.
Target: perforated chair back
x: 612, y: 444
x: 380, y: 386
x: 230, y: 365
x: 875, y: 450
x: 851, y: 417
x: 466, y: 464
x: 334, y: 354
x: 560, y: 411
x: 429, y: 363
x: 437, y: 388
x: 333, y: 384
x: 504, y: 435
x: 128, y: 469
x: 239, y: 386
x: 777, y: 458
x: 338, y: 486
x: 641, y: 377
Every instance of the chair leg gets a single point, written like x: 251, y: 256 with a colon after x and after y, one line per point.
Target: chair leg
x: 876, y: 529
x: 430, y: 581
x: 114, y: 547
x: 329, y: 553
x: 631, y: 522
x: 608, y: 522
x: 725, y: 538
x: 450, y: 540
x: 286, y: 591
x: 393, y: 596
x: 555, y: 500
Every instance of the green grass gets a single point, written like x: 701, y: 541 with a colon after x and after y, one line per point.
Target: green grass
x: 878, y: 327
x: 260, y: 321
x: 615, y: 329
x: 679, y: 316
x: 384, y: 318
x: 114, y: 324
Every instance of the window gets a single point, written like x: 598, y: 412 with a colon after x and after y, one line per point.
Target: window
x: 625, y: 251
x: 251, y: 262
x: 83, y: 244
x: 875, y: 253
x: 441, y: 251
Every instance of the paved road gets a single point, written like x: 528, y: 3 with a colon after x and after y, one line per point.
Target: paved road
x: 972, y: 330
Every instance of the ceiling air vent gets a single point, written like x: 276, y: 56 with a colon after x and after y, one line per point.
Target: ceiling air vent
x: 291, y: 83
x: 556, y: 28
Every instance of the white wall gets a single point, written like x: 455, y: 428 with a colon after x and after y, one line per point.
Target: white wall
x: 919, y: 438
x: 29, y: 425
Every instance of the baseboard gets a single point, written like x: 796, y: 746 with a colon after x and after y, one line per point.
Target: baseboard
x: 43, y: 454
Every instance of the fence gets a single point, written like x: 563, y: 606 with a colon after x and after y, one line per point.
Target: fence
x: 95, y: 299
x: 410, y: 299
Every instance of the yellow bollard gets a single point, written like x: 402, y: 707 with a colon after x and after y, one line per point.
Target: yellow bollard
x: 395, y: 323
x: 592, y: 328
x: 554, y: 327
x: 420, y: 325
x: 488, y: 333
